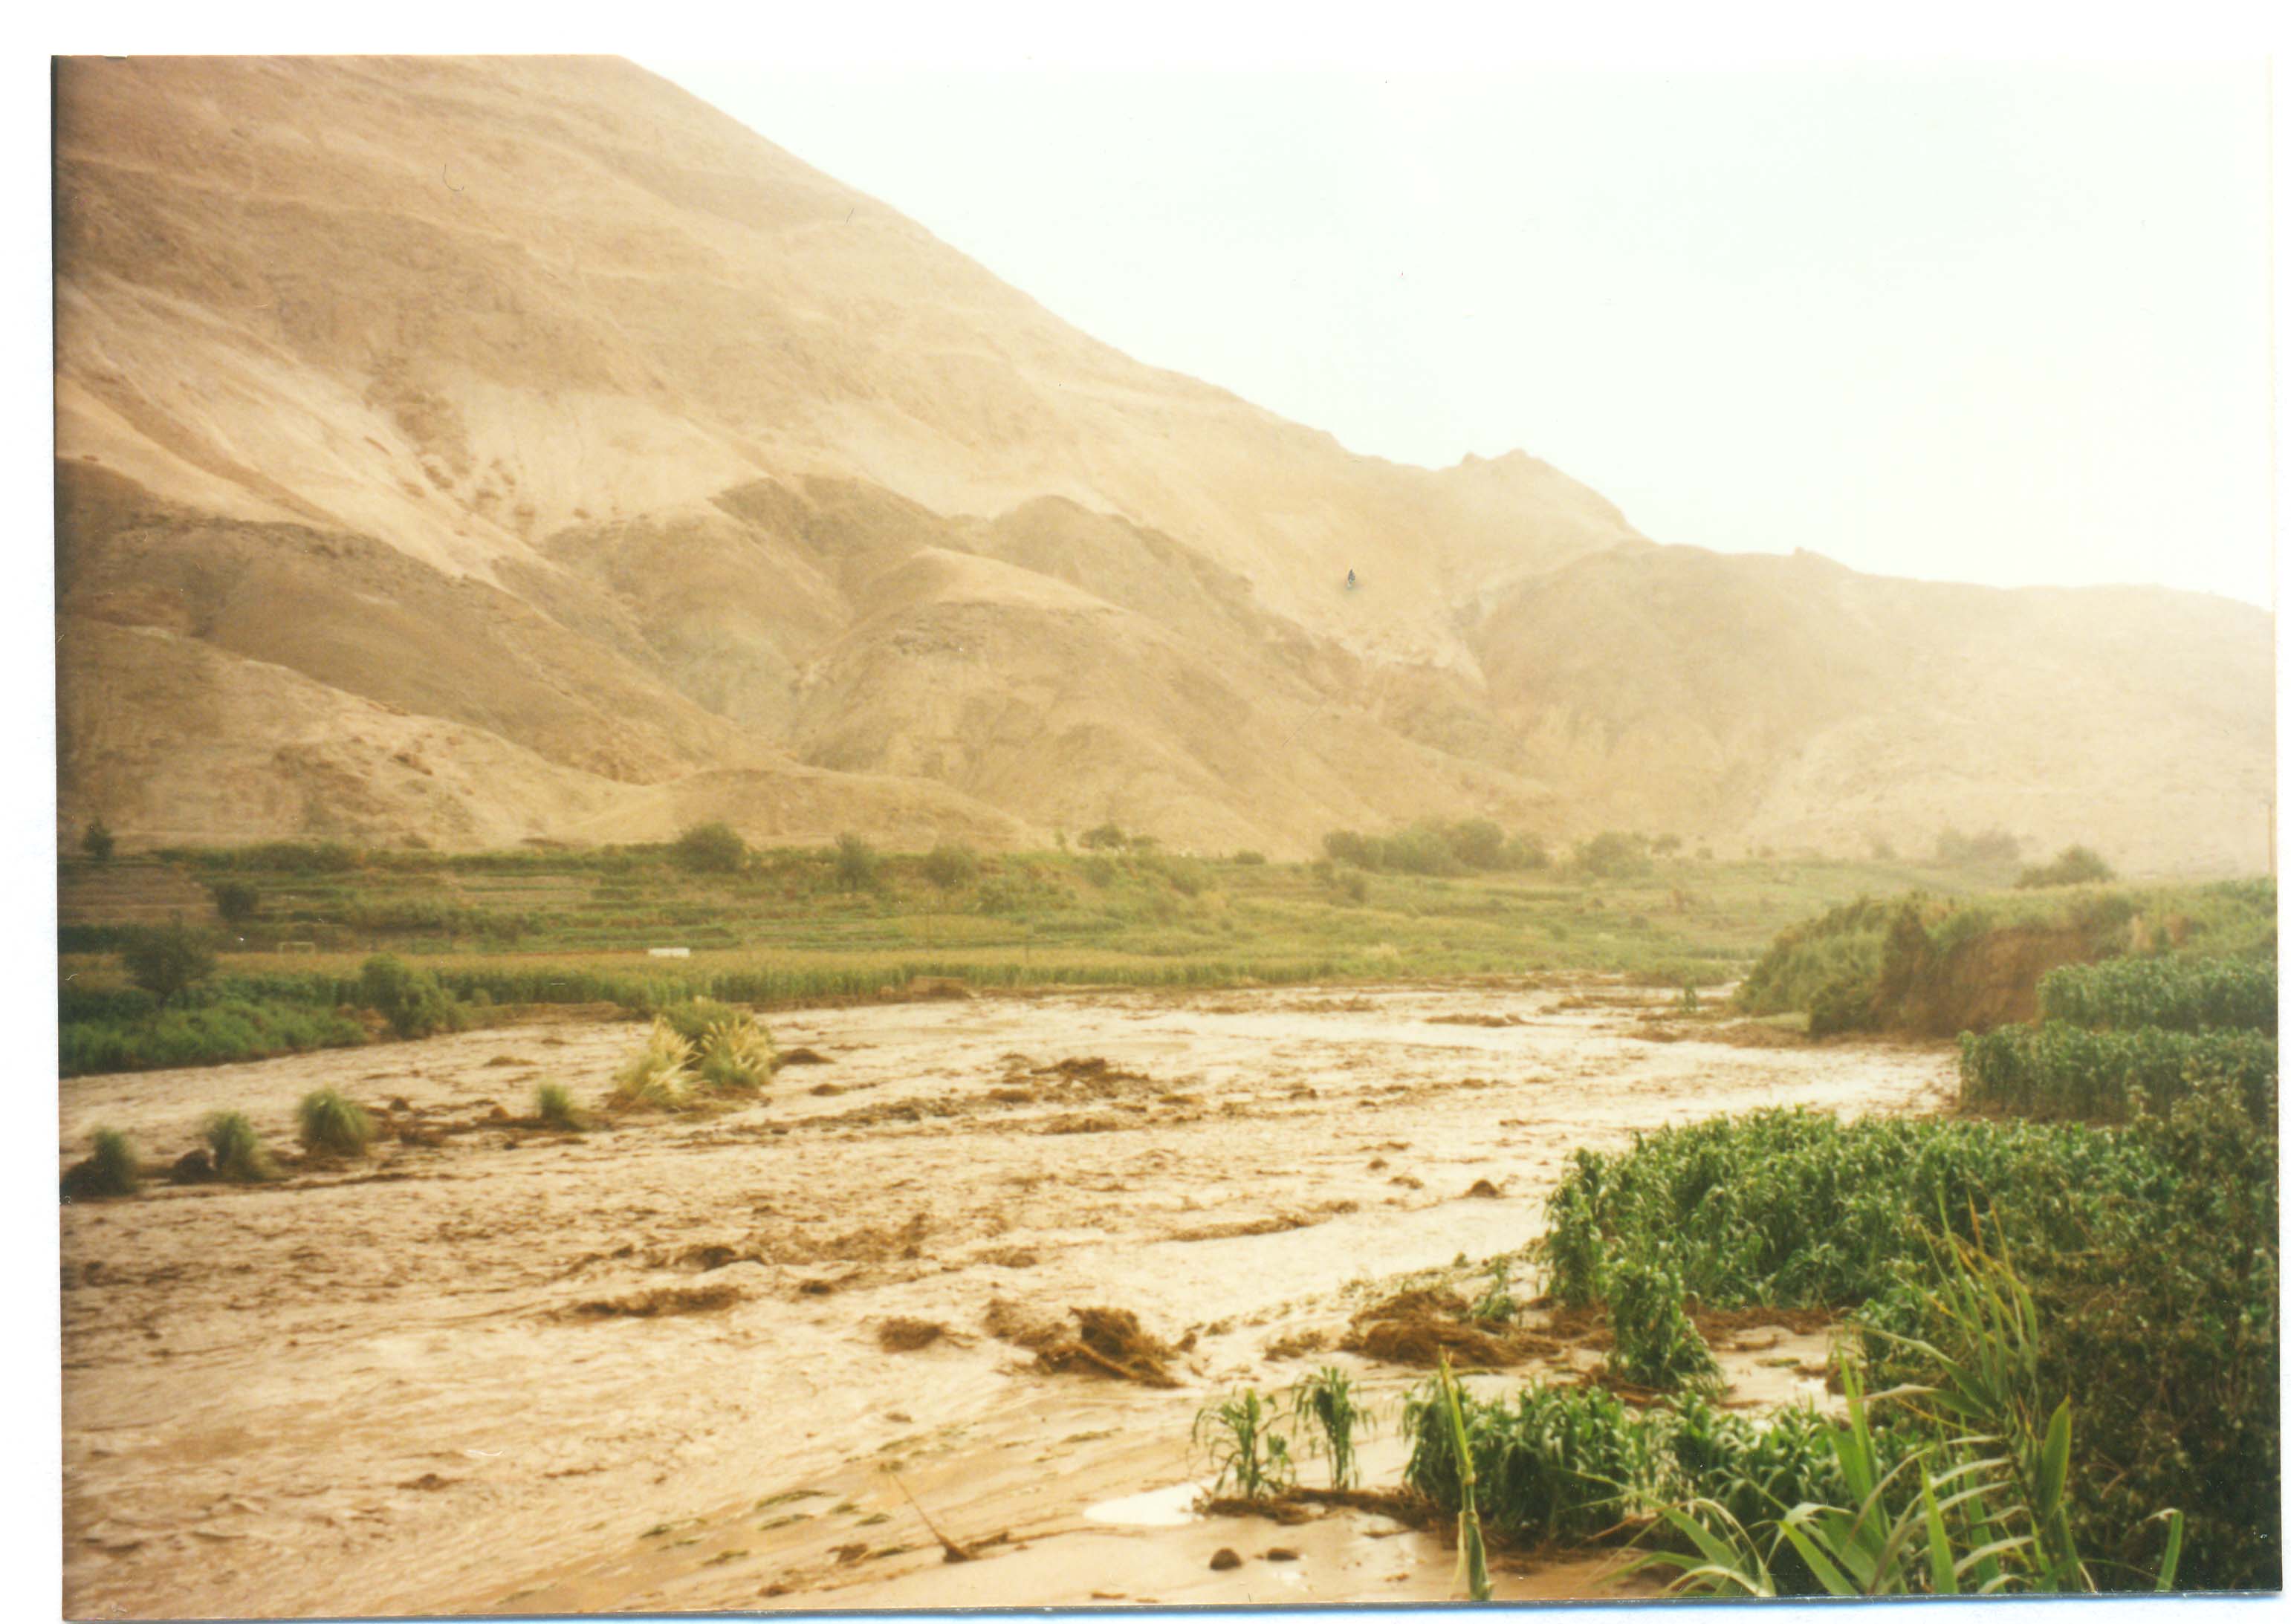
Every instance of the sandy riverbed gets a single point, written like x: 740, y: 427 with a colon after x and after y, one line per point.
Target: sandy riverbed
x: 405, y: 1390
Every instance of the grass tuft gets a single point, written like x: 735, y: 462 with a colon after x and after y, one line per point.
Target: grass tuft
x: 658, y: 1074
x: 330, y: 1125
x: 552, y: 1102
x: 237, y: 1150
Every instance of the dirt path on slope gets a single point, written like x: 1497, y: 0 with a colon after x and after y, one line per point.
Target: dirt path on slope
x: 645, y: 1368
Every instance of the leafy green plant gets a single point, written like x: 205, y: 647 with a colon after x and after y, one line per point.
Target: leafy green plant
x: 236, y: 1150
x: 950, y: 867
x: 1497, y: 1305
x: 1237, y: 1433
x: 328, y: 1123
x: 1324, y: 1400
x: 1656, y: 1344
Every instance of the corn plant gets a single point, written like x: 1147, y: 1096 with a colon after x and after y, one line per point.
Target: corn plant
x: 1324, y: 1400
x: 1497, y: 1305
x: 1656, y: 1344
x: 2181, y: 994
x: 2055, y: 1069
x: 1237, y: 1433
x: 1471, y: 1546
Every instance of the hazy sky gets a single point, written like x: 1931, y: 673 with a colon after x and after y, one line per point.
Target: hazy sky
x: 1985, y: 324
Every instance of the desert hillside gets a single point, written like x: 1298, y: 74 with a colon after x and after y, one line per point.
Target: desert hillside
x: 477, y: 451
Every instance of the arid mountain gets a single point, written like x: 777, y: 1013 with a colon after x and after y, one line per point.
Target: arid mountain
x: 480, y: 450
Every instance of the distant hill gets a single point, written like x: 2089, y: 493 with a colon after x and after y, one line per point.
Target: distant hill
x: 476, y: 450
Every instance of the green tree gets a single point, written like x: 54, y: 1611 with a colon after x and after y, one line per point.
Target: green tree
x: 855, y: 863
x: 2076, y: 866
x: 97, y: 840
x: 1104, y: 837
x: 711, y: 848
x: 165, y: 961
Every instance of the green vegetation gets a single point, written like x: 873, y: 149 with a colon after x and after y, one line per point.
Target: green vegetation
x: 112, y: 1169
x: 2075, y: 866
x: 329, y: 1125
x: 1575, y: 1463
x: 236, y: 1150
x: 1937, y: 965
x: 410, y: 1000
x: 552, y: 1103
x: 234, y: 1029
x: 658, y: 1073
x: 97, y: 842
x: 1323, y: 1401
x: 951, y: 868
x: 2180, y: 994
x: 1471, y: 1544
x: 2150, y: 1251
x: 1237, y: 1433
x: 2056, y: 1069
x: 711, y: 848
x: 165, y: 961
x: 551, y: 926
x: 857, y: 868
x: 1473, y: 846
x: 1656, y: 1344
x: 236, y: 901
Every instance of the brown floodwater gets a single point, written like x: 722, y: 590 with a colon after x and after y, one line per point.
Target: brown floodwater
x: 500, y: 1369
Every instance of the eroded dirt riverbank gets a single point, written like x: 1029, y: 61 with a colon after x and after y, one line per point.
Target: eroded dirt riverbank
x: 523, y: 1371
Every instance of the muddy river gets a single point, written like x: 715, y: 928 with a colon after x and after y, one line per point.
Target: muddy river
x: 501, y: 1369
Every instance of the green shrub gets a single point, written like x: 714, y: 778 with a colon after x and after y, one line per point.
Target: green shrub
x: 552, y: 1103
x: 412, y: 1001
x: 234, y: 1029
x: 709, y: 848
x: 236, y: 1150
x: 329, y: 1125
x: 2076, y: 866
x: 1249, y: 859
x: 1614, y: 854
x: 236, y: 901
x: 950, y: 867
x: 1104, y: 837
x: 97, y: 840
x: 112, y: 1170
